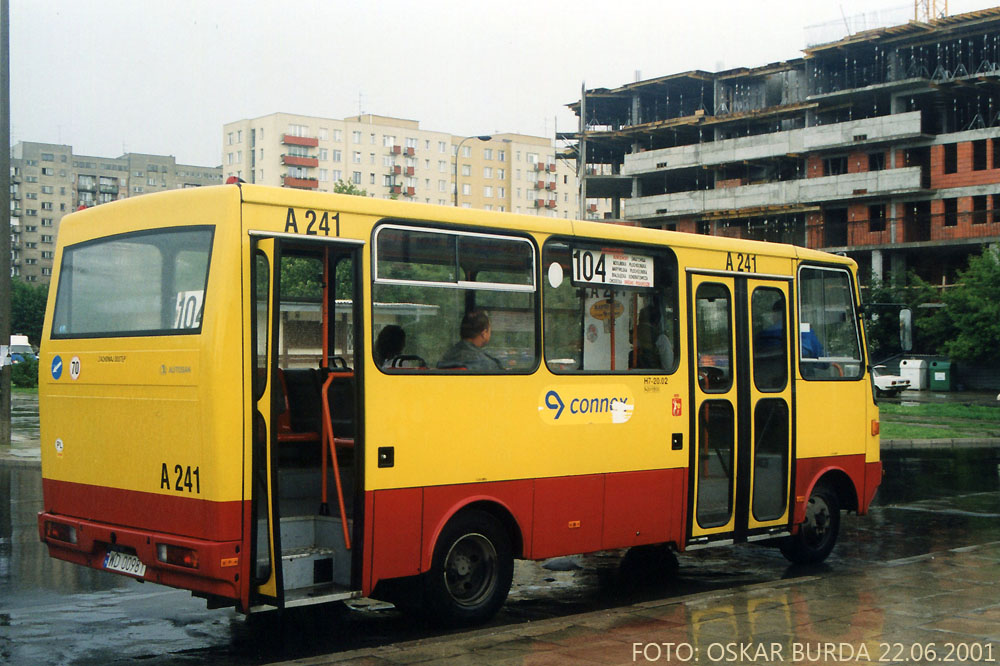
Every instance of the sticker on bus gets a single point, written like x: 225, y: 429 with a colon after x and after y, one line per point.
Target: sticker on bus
x: 612, y: 267
x: 586, y: 404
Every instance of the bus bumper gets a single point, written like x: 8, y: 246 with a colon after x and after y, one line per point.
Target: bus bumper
x: 207, y: 567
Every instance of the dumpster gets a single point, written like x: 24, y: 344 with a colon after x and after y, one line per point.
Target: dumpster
x: 915, y: 370
x: 940, y: 374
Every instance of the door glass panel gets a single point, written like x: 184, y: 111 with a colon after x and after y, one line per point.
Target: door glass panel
x: 829, y: 344
x: 770, y: 339
x: 770, y: 464
x: 715, y: 350
x: 715, y: 463
x: 262, y: 290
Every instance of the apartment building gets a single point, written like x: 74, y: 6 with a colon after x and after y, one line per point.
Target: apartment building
x: 395, y: 158
x: 884, y: 145
x: 49, y: 180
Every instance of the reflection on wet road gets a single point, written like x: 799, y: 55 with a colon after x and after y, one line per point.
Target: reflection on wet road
x: 53, y: 612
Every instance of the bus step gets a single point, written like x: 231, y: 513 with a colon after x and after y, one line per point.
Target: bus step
x: 310, y: 567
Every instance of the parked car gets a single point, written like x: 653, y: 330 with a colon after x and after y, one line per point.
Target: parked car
x: 21, y: 350
x: 886, y: 384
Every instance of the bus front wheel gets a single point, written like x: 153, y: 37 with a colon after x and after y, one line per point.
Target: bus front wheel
x: 818, y: 534
x: 471, y: 572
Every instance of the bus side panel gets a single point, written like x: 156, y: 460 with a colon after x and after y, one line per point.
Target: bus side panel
x: 644, y: 507
x: 443, y: 502
x: 395, y: 517
x: 809, y: 470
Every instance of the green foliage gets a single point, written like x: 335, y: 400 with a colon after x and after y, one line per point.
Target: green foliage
x: 24, y: 374
x: 967, y: 328
x: 346, y: 187
x: 27, y: 309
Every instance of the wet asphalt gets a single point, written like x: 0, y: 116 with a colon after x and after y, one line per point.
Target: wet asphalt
x: 916, y: 581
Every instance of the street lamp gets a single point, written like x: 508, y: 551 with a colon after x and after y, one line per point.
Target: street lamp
x: 458, y: 151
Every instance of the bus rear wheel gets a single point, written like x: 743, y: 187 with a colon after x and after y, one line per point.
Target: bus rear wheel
x: 471, y: 572
x: 818, y: 534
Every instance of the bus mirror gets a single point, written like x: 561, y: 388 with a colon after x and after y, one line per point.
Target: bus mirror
x: 906, y: 329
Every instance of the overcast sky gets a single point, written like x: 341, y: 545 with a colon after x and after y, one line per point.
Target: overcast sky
x: 162, y: 77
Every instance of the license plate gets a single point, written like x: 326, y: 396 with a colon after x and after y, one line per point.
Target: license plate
x: 125, y: 563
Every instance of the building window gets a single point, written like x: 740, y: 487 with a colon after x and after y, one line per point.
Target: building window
x: 487, y: 172
x: 487, y: 153
x: 443, y: 147
x: 835, y: 166
x: 876, y: 218
x: 950, y: 212
x: 338, y: 135
x: 979, y: 155
x: 466, y: 189
x: 876, y: 161
x: 466, y: 170
x: 356, y: 157
x: 979, y: 209
x: 501, y: 155
x: 356, y: 137
x: 951, y: 158
x: 488, y: 191
x: 324, y: 154
x: 356, y: 177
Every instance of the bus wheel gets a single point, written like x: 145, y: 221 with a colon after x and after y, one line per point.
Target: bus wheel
x: 818, y: 534
x: 471, y: 572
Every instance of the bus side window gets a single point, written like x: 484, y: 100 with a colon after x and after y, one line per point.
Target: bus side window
x: 829, y: 342
x: 428, y: 280
x: 609, y: 309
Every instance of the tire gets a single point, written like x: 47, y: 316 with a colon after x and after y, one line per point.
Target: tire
x: 818, y: 534
x: 471, y: 572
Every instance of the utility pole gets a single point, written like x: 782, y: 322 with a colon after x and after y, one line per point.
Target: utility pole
x: 4, y: 218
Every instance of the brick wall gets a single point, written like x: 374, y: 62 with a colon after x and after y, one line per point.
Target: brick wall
x: 964, y: 176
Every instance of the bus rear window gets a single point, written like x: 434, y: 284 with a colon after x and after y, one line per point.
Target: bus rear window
x: 147, y: 283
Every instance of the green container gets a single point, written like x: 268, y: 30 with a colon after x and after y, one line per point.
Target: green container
x: 941, y: 373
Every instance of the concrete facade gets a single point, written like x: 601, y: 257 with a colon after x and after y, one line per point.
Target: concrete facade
x: 49, y: 180
x: 884, y: 145
x: 395, y: 158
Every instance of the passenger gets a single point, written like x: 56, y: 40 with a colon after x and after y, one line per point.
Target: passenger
x: 468, y: 352
x: 655, y: 350
x: 389, y: 344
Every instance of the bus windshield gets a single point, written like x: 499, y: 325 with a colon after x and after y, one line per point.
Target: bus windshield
x: 101, y: 292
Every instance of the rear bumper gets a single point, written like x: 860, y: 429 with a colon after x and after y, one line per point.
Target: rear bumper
x: 217, y: 572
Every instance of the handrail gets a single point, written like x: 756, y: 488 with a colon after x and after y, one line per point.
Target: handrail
x: 328, y: 440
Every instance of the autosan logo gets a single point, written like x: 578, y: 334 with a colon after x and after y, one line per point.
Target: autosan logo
x: 586, y: 404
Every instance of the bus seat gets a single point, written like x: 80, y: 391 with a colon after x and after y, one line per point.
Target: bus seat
x: 284, y: 426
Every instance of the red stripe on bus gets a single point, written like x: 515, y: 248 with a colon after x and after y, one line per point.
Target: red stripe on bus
x: 551, y: 517
x: 166, y: 514
x: 809, y: 470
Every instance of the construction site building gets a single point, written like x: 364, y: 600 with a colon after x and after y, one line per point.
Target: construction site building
x: 884, y: 145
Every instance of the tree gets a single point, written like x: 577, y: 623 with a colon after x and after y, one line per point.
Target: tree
x: 345, y: 187
x: 968, y: 326
x: 27, y: 309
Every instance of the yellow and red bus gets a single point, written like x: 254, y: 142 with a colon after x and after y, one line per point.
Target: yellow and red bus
x: 253, y: 393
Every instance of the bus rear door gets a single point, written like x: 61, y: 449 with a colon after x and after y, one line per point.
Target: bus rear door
x: 305, y: 452
x: 743, y: 406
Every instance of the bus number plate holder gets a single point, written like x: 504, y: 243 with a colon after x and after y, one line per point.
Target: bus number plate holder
x: 125, y: 563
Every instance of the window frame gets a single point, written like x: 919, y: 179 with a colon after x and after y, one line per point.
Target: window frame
x: 855, y: 310
x: 629, y: 246
x: 533, y: 288
x: 162, y: 332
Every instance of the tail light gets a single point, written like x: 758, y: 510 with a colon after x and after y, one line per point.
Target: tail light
x: 60, y: 532
x: 179, y: 556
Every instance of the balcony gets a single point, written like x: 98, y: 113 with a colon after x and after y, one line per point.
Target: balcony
x: 410, y: 191
x: 848, y: 135
x: 300, y: 183
x: 86, y: 187
x: 395, y: 189
x: 551, y: 203
x: 409, y: 171
x: 396, y: 169
x: 552, y: 186
x: 108, y: 189
x: 306, y: 141
x: 396, y: 150
x: 410, y: 151
x: 805, y: 191
x: 539, y: 203
x: 540, y: 185
x: 297, y: 160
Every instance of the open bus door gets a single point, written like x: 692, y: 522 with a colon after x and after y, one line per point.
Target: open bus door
x: 305, y: 316
x: 743, y: 407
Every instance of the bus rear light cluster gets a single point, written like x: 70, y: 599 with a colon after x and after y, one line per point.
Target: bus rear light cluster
x: 60, y: 532
x: 177, y: 555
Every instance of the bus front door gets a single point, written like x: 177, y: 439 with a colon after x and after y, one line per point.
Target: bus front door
x: 304, y: 314
x: 742, y: 448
